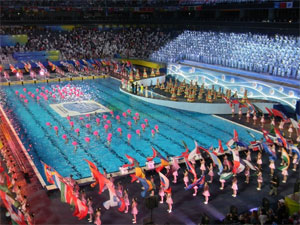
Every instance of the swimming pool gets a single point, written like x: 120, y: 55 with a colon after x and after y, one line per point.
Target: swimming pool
x: 29, y: 120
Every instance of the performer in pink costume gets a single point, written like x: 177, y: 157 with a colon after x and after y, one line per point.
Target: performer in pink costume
x: 126, y: 200
x: 202, y: 166
x: 206, y: 192
x: 234, y: 187
x: 161, y: 194
x: 90, y: 209
x: 97, y: 220
x: 272, y: 167
x: 170, y: 202
x: 259, y: 180
x: 134, y: 210
x: 186, y: 178
x: 211, y: 172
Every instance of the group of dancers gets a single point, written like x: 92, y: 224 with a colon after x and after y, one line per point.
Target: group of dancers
x: 253, y: 156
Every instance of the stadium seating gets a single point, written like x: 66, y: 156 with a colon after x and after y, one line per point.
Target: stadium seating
x: 276, y: 55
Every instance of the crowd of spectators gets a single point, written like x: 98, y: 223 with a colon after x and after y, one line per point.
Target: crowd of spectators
x: 276, y: 55
x: 85, y: 43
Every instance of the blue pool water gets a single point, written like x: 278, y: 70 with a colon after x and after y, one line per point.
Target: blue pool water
x: 30, y: 120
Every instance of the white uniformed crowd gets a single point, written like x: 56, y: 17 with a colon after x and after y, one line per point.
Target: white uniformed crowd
x: 276, y: 55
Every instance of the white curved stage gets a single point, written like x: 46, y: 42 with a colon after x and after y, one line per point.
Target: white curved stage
x: 205, y: 108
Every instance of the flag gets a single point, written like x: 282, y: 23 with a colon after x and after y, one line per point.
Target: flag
x: 139, y: 172
x: 241, y: 144
x: 266, y: 136
x: 12, y: 68
x: 250, y: 106
x: 8, y: 180
x: 230, y: 143
x: 220, y: 149
x: 236, y: 161
x: 235, y: 135
x: 279, y: 114
x: 100, y: 178
x: 256, y: 145
x: 49, y: 172
x: 163, y: 161
x: 280, y: 137
x: 296, y: 125
x: 269, y: 111
x: 190, y: 167
x: 81, y: 209
x: 199, y: 183
x: 132, y: 161
x: 10, y: 204
x: 214, y: 158
x: 227, y: 100
x: 234, y: 100
x: 269, y: 151
x: 164, y: 181
x: 226, y: 176
x: 154, y: 155
x: 249, y: 164
x: 66, y: 190
x: 147, y: 186
x: 194, y: 152
x: 53, y: 67
x: 295, y: 150
x: 285, y: 158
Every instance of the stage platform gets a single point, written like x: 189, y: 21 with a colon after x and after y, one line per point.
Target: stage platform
x: 289, y: 82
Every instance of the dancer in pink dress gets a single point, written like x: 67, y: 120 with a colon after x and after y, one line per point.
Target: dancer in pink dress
x: 262, y: 120
x: 240, y: 113
x: 97, y: 220
x: 272, y: 167
x: 295, y: 162
x: 259, y: 180
x: 134, y: 210
x: 186, y: 178
x: 126, y: 201
x: 226, y: 162
x: 248, y: 156
x: 211, y: 173
x: 206, y: 192
x: 161, y: 194
x: 234, y: 187
x: 222, y: 183
x: 254, y: 118
x: 259, y: 160
x: 90, y: 209
x: 169, y: 201
x: 202, y: 166
x: 248, y: 116
x: 284, y: 173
